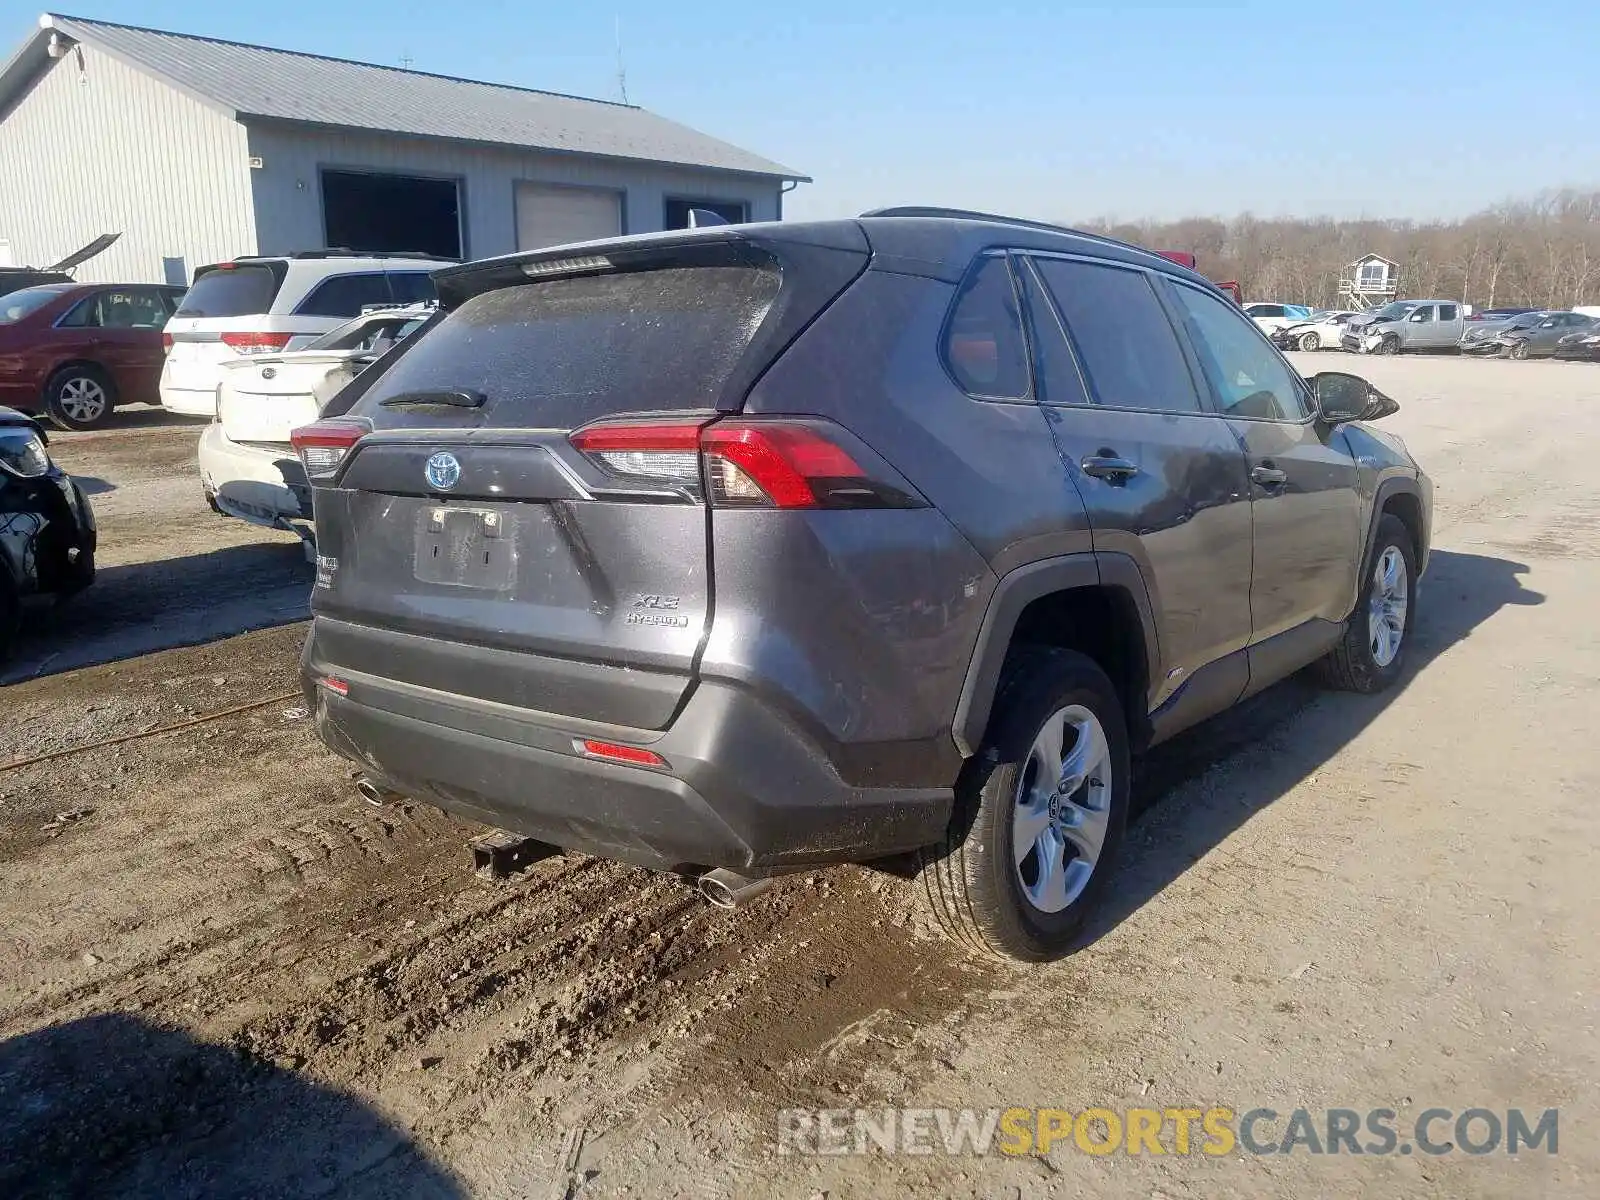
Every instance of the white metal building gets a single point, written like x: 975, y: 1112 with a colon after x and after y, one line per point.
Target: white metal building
x: 197, y: 151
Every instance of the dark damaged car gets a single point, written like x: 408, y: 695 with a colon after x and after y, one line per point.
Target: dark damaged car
x: 747, y: 550
x: 47, y: 528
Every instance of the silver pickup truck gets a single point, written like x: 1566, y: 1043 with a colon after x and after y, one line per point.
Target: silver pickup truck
x: 1406, y: 325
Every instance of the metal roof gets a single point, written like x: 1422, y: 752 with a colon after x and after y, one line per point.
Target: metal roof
x: 256, y: 82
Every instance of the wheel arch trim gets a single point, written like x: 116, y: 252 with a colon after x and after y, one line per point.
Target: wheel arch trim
x: 1013, y: 593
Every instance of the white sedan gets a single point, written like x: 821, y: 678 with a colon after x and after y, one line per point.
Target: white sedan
x: 1320, y: 332
x: 247, y: 466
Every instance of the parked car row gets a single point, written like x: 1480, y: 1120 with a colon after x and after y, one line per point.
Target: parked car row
x: 75, y: 352
x: 1443, y: 325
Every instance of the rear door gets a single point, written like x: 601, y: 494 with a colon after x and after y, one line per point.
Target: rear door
x: 1163, y: 479
x: 475, y: 550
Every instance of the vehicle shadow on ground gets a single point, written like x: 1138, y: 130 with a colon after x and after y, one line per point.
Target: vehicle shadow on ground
x: 111, y: 1105
x: 143, y: 607
x: 137, y: 416
x: 91, y: 485
x: 1460, y: 592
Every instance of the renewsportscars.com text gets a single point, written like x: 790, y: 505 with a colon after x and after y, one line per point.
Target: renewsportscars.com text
x: 1213, y: 1131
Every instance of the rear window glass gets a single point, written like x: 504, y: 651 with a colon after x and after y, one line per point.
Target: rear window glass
x: 1124, y: 340
x: 411, y: 287
x: 557, y: 354
x: 983, y: 345
x: 230, y: 292
x: 346, y: 295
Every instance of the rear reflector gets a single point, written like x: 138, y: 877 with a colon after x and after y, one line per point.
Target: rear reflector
x: 166, y: 343
x: 337, y: 686
x: 632, y: 755
x: 322, y: 445
x: 255, y: 343
x: 777, y: 463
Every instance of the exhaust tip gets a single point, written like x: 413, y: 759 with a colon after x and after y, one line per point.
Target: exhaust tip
x: 375, y: 795
x: 717, y: 893
x: 723, y: 888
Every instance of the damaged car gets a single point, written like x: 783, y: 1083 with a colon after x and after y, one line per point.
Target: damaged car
x: 248, y: 468
x: 1540, y: 338
x: 1321, y: 332
x: 47, y: 528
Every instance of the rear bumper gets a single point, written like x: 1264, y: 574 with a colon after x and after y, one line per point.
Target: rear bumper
x: 189, y: 402
x: 264, y: 487
x: 743, y: 788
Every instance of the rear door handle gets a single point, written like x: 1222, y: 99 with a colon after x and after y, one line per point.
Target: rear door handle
x: 1268, y: 476
x: 1104, y: 467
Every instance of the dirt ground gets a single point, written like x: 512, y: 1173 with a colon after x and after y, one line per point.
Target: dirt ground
x: 222, y: 973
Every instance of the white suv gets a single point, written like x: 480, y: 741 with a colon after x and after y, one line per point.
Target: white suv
x: 265, y: 305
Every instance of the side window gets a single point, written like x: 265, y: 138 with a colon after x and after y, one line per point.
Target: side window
x: 1127, y: 347
x: 1248, y: 376
x: 85, y: 315
x: 133, y: 308
x: 983, y: 347
x: 1421, y: 315
x: 345, y: 295
x: 1055, y: 372
x: 411, y: 287
x: 1266, y: 310
x: 1447, y: 312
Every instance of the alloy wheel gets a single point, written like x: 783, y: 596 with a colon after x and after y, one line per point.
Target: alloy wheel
x: 1063, y: 807
x: 82, y: 399
x: 1386, y: 607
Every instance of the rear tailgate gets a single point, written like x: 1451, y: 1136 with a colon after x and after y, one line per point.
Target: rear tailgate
x: 468, y: 548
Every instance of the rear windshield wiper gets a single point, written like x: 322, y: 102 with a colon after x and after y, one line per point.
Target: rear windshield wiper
x: 448, y: 397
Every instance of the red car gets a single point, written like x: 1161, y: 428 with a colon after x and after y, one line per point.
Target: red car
x: 77, y: 350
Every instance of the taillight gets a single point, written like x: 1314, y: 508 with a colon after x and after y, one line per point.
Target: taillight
x: 166, y: 343
x: 775, y: 463
x: 322, y: 445
x: 255, y: 343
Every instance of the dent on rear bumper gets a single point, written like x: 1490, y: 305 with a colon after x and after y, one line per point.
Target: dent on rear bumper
x: 251, y: 483
x: 744, y: 789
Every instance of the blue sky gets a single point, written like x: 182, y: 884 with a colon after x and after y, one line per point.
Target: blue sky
x: 1053, y: 110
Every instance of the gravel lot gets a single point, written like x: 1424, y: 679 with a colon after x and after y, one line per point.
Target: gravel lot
x: 220, y: 971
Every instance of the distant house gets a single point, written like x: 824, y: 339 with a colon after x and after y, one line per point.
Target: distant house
x: 1370, y: 281
x: 197, y: 150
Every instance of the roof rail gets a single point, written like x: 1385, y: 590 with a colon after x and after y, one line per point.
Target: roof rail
x: 962, y: 214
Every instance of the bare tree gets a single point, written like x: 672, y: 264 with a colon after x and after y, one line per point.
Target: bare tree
x: 1543, y: 250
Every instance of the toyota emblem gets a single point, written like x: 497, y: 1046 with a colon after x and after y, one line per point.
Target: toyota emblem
x: 443, y: 471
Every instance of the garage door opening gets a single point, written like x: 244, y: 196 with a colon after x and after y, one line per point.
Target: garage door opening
x: 677, y: 211
x: 388, y: 214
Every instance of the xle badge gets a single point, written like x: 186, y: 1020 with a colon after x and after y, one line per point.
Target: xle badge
x: 652, y: 609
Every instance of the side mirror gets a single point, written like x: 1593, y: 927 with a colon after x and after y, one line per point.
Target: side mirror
x: 1547, y: 324
x: 1341, y: 397
x: 1419, y: 317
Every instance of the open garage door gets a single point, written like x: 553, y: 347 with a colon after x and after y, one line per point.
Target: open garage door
x: 389, y: 214
x: 553, y: 216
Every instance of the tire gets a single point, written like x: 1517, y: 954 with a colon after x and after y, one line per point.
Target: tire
x: 1519, y: 351
x: 10, y: 614
x: 1310, y: 341
x: 1389, y: 345
x: 1361, y: 662
x: 76, y: 576
x: 80, y: 397
x: 976, y: 885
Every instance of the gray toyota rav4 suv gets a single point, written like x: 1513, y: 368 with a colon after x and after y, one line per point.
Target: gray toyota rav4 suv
x: 742, y: 550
